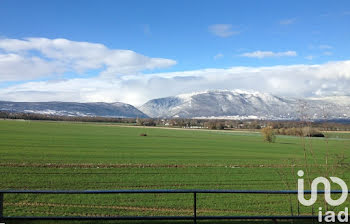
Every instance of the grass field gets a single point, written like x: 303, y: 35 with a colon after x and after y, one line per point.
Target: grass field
x: 63, y: 155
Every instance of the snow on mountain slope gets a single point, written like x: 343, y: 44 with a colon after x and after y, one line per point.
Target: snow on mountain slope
x: 74, y: 109
x: 241, y: 104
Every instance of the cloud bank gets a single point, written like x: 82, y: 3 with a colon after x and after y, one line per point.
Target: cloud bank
x: 34, y: 58
x: 301, y: 80
x: 39, y: 64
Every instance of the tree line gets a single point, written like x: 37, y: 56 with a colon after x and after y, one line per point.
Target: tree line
x: 280, y: 127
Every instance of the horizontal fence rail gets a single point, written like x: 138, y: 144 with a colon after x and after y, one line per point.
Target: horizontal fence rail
x: 194, y: 192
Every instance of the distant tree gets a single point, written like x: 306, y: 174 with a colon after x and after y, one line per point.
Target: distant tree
x: 210, y: 125
x: 220, y: 125
x: 268, y: 134
x: 311, y: 132
x: 139, y: 122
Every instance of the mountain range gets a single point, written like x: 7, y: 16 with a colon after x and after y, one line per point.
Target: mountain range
x: 238, y: 104
x: 218, y: 104
x: 74, y: 109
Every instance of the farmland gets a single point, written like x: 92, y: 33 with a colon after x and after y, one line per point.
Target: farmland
x: 66, y: 155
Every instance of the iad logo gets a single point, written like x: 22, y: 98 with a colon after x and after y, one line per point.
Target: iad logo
x: 329, y: 215
x: 327, y: 190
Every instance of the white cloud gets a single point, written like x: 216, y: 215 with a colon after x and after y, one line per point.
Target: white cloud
x: 218, y: 56
x: 287, y: 21
x: 39, y: 57
x: 292, y: 80
x: 325, y: 47
x: 223, y: 30
x: 328, y: 53
x: 18, y: 67
x: 310, y: 57
x: 147, y: 30
x: 266, y: 54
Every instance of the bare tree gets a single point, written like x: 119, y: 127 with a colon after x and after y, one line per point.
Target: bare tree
x: 268, y: 134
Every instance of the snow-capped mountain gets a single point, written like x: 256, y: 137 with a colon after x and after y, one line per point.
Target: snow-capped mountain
x: 74, y: 109
x: 238, y: 104
x: 219, y: 104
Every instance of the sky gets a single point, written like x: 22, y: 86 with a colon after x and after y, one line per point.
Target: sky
x: 133, y: 51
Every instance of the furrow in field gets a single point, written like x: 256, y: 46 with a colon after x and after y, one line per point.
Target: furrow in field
x: 133, y: 208
x: 77, y: 165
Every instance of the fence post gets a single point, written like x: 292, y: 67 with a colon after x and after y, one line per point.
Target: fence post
x: 298, y: 209
x: 1, y: 207
x: 195, y: 208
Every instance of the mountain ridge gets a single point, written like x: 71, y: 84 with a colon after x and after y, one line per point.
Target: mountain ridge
x: 116, y: 109
x: 210, y: 104
x: 240, y: 104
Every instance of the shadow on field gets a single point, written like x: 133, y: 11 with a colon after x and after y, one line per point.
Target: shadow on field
x: 286, y: 143
x: 161, y: 222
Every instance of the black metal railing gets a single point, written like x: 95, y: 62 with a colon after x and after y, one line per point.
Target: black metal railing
x: 194, y: 217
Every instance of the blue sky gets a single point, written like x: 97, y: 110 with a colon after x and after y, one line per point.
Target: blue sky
x: 188, y: 35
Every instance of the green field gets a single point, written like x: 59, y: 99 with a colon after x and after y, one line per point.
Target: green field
x: 63, y: 155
